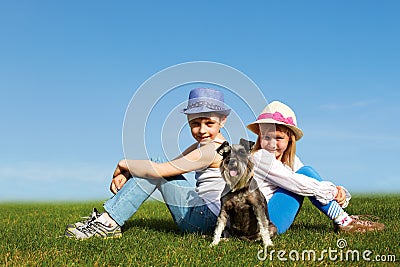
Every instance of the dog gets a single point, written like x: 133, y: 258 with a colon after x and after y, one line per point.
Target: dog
x: 243, y: 209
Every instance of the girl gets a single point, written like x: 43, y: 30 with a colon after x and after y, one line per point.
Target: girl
x: 284, y: 180
x: 193, y: 208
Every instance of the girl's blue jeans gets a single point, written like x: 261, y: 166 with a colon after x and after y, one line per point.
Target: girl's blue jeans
x: 188, y: 210
x: 284, y: 205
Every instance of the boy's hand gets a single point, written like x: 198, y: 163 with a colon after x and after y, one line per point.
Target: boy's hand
x: 117, y: 183
x: 122, y: 167
x: 120, y: 176
x: 341, y: 196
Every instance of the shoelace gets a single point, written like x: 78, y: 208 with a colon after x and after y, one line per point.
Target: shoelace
x: 91, y: 228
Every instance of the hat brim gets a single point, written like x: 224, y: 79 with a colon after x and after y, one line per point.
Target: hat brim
x: 255, y: 128
x: 205, y: 110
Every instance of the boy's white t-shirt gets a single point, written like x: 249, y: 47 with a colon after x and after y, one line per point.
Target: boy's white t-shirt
x: 209, y: 187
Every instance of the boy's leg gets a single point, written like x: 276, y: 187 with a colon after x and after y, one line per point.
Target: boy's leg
x: 119, y: 209
x: 128, y: 200
x: 188, y: 210
x: 283, y: 208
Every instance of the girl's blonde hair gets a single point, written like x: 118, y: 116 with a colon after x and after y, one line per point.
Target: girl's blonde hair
x: 290, y: 152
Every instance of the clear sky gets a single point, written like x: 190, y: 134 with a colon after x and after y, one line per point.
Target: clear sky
x: 68, y: 70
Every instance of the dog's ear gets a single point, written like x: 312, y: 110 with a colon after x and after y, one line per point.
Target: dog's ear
x: 247, y: 144
x: 224, y: 149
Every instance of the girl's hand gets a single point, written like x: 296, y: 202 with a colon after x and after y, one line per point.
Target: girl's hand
x: 341, y: 196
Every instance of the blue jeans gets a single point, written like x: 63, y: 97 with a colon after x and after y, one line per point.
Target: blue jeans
x: 284, y: 205
x: 188, y: 210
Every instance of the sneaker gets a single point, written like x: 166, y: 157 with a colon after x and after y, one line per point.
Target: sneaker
x: 95, y: 214
x: 360, y: 224
x: 94, y: 228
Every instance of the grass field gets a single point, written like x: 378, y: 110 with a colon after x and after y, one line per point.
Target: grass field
x: 32, y: 235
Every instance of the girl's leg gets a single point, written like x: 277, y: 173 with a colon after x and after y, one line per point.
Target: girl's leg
x: 283, y: 208
x: 128, y: 200
x: 188, y: 210
x: 284, y: 205
x: 332, y: 209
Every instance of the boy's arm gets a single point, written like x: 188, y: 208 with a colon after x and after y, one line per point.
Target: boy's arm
x: 195, y: 159
x: 122, y: 172
x: 187, y: 150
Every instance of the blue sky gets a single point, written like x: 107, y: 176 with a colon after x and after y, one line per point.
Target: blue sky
x: 68, y: 70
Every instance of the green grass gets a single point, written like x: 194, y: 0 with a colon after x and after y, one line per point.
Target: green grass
x: 32, y: 235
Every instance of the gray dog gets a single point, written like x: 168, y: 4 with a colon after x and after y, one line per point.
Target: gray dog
x: 243, y: 212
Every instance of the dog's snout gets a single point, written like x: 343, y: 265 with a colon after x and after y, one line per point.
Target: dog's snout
x: 232, y: 163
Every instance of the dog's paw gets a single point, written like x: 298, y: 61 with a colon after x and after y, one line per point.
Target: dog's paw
x: 213, y: 244
x: 273, y: 231
x: 268, y: 244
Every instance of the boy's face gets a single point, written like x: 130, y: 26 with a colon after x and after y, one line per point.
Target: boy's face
x: 205, y: 129
x: 273, y: 140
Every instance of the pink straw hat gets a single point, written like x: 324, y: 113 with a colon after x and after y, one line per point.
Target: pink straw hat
x: 277, y: 113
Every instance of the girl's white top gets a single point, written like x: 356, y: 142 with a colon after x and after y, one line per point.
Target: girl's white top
x: 271, y: 174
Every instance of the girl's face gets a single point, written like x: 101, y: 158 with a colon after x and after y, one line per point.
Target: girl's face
x: 205, y: 129
x: 273, y: 140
